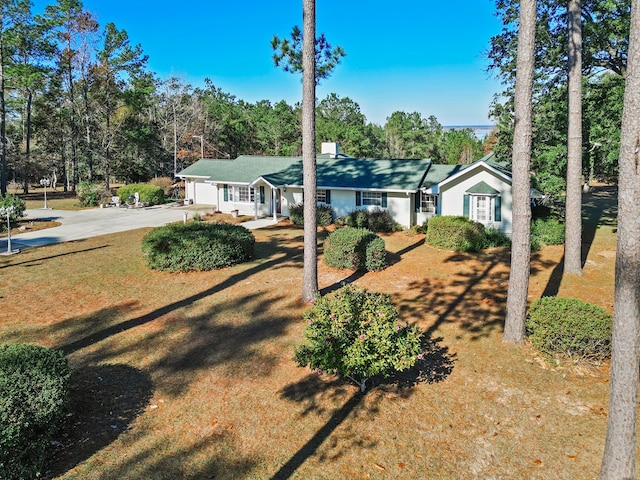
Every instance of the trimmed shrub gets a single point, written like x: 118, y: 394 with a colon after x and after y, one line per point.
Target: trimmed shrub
x: 34, y: 395
x: 149, y: 194
x: 357, y: 334
x: 18, y: 209
x: 546, y: 231
x: 324, y: 215
x: 197, y: 246
x: 92, y: 194
x: 376, y: 220
x: 355, y: 249
x: 568, y: 327
x: 455, y: 233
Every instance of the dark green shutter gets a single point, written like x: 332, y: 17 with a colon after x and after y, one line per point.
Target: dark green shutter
x: 328, y: 197
x: 358, y: 199
x: 261, y: 193
x: 497, y: 213
x: 384, y: 199
x: 417, y: 199
x: 225, y: 187
x: 465, y: 206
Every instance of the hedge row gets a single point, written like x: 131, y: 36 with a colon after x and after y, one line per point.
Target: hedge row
x: 355, y: 249
x: 149, y: 194
x: 34, y: 395
x: 197, y: 246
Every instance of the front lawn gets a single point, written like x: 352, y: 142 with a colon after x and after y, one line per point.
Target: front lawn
x: 191, y: 375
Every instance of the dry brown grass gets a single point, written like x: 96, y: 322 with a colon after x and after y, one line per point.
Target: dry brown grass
x: 190, y: 375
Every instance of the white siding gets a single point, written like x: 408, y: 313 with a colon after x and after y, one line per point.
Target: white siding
x: 452, y: 195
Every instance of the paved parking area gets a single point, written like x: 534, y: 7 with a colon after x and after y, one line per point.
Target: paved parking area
x: 82, y: 224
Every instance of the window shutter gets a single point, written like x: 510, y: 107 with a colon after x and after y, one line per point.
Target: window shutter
x: 328, y: 197
x: 384, y: 199
x: 465, y: 206
x: 417, y: 200
x: 358, y: 199
x: 261, y: 193
x: 497, y: 213
x: 225, y: 187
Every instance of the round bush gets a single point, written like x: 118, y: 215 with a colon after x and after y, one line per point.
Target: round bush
x: 355, y: 249
x: 197, y: 246
x: 34, y: 395
x: 455, y: 233
x: 149, y: 194
x: 357, y: 334
x: 569, y: 327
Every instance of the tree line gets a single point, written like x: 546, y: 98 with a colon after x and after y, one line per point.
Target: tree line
x: 79, y: 103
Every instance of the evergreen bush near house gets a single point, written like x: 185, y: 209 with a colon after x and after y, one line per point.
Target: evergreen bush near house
x: 18, y: 205
x: 568, y: 327
x: 455, y: 233
x: 357, y: 334
x: 546, y: 231
x: 197, y: 246
x: 355, y: 249
x: 324, y: 215
x: 296, y: 214
x: 92, y: 194
x: 149, y: 194
x: 376, y: 220
x: 34, y: 395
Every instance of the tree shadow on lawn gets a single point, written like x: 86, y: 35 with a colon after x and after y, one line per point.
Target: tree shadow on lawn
x: 599, y: 208
x: 473, y: 296
x: 104, y: 400
x: 33, y: 262
x: 314, y: 393
x: 273, y: 255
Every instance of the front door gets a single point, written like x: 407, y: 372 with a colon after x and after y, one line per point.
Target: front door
x: 278, y: 201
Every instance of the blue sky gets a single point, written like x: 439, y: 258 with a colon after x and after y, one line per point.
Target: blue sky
x: 407, y: 55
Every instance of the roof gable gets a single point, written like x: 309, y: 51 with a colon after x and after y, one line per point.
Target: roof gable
x: 482, y: 188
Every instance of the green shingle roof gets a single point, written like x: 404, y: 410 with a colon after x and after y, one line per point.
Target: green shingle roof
x: 343, y: 172
x: 244, y: 169
x: 483, y: 188
x: 358, y: 173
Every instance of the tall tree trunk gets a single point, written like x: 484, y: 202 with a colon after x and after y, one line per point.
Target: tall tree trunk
x: 573, y: 219
x: 514, y: 329
x: 310, y: 273
x: 74, y: 127
x: 3, y: 127
x: 618, y: 461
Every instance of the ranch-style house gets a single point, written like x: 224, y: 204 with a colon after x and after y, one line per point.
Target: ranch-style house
x: 411, y: 190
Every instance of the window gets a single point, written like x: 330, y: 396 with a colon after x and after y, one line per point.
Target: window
x: 241, y: 194
x: 372, y: 198
x: 428, y: 203
x: 481, y: 208
x: 323, y: 196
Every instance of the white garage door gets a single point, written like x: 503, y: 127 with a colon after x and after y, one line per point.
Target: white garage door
x: 205, y: 194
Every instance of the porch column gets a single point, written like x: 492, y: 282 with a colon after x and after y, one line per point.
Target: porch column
x: 274, y: 191
x: 255, y: 203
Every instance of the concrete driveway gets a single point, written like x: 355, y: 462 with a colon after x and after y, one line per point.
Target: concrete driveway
x: 82, y: 224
